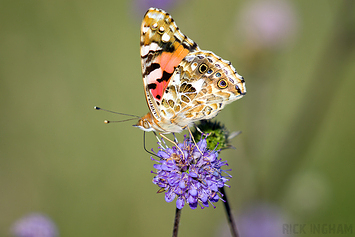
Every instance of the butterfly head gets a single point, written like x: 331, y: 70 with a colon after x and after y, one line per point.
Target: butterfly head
x: 145, y: 123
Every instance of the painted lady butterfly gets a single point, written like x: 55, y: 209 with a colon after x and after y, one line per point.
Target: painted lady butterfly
x: 183, y: 84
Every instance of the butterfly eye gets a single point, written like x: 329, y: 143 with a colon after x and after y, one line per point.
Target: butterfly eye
x: 209, y: 71
x: 146, y: 124
x: 222, y: 84
x: 218, y: 74
x: 203, y: 68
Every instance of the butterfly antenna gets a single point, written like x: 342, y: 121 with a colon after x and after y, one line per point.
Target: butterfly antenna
x: 145, y: 147
x: 118, y: 121
x: 98, y: 108
x: 108, y: 121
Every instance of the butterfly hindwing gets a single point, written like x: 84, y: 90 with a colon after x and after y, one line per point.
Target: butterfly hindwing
x: 201, y: 86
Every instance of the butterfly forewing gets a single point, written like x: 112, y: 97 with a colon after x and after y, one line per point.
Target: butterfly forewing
x: 163, y: 47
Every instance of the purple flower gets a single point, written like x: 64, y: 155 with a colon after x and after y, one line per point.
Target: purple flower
x: 192, y: 178
x: 34, y: 225
x: 267, y: 24
x: 259, y: 219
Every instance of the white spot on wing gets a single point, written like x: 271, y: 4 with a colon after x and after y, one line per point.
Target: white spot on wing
x: 198, y: 84
x: 189, y: 58
x: 177, y: 78
x: 165, y: 37
x: 150, y: 47
x: 193, y: 66
x: 145, y: 29
x: 154, y: 75
x: 168, y: 96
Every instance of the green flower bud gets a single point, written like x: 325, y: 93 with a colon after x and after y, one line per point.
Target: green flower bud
x: 218, y: 135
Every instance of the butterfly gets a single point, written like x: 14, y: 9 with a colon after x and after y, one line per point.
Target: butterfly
x: 182, y: 83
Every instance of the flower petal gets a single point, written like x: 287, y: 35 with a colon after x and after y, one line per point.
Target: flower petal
x: 180, y: 203
x: 193, y: 205
x: 182, y: 184
x: 163, y: 154
x: 193, y: 191
x: 202, y: 144
x: 193, y: 175
x: 169, y: 197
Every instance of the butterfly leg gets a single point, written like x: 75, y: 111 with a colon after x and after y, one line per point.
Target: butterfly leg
x: 163, y: 136
x: 193, y: 139
x: 159, y: 141
x: 198, y: 129
x: 175, y: 139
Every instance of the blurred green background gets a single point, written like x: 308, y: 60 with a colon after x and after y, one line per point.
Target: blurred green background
x: 58, y: 59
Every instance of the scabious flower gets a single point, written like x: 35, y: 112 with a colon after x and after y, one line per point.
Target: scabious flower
x: 191, y: 177
x: 259, y: 219
x: 267, y: 24
x: 262, y: 220
x: 34, y: 225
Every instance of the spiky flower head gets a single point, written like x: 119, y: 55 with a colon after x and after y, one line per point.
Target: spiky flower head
x: 218, y: 135
x: 193, y: 177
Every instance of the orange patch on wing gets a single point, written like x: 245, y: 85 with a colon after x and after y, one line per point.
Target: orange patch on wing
x: 168, y: 61
x: 164, y: 59
x: 176, y: 58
